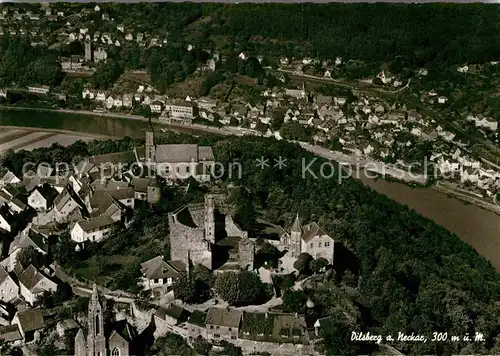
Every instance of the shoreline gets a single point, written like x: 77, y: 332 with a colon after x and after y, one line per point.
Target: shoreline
x: 230, y: 131
x: 467, y: 198
x: 180, y: 127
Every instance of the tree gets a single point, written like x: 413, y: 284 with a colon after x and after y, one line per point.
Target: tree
x: 29, y: 255
x: 64, y: 250
x: 189, y: 289
x: 239, y: 288
x: 318, y: 264
x: 294, y: 301
x: 302, y: 262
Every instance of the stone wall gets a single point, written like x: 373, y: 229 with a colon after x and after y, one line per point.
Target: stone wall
x: 183, y: 239
x: 232, y: 229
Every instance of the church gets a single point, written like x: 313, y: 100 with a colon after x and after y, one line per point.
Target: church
x: 311, y: 239
x: 176, y: 161
x: 104, y: 337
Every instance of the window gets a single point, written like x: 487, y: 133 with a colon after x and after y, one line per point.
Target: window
x: 115, y: 352
x: 217, y: 327
x: 229, y: 329
x: 327, y: 244
x: 97, y: 325
x: 187, y: 169
x: 211, y: 326
x: 217, y: 336
x: 319, y: 244
x: 311, y: 245
x: 233, y: 337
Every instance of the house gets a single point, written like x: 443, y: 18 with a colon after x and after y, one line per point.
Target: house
x: 223, y: 323
x: 156, y: 107
x: 442, y: 100
x: 86, y: 93
x: 129, y: 37
x: 274, y: 327
x: 66, y: 325
x: 27, y: 237
x: 172, y: 315
x: 100, y: 55
x: 117, y: 102
x: 42, y: 198
x: 42, y: 89
x: 65, y: 204
x: 146, y: 189
x: 95, y: 229
x: 6, y: 219
x: 8, y: 288
x: 100, y: 96
x: 34, y: 283
x: 10, y: 335
x: 196, y: 324
x: 110, y: 101
x: 311, y: 239
x: 206, y: 103
x: 127, y: 100
x: 156, y: 273
x: 30, y: 323
x: 180, y: 110
x: 9, y: 178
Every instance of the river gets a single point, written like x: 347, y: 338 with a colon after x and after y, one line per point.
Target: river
x: 478, y: 227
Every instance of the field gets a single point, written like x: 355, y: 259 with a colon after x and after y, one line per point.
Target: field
x: 26, y: 139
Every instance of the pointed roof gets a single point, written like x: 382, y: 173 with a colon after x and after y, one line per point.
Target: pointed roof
x: 296, y: 227
x: 94, y: 299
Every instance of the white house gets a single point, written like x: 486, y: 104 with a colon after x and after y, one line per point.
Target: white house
x: 95, y: 229
x: 8, y: 288
x: 42, y: 198
x: 156, y: 273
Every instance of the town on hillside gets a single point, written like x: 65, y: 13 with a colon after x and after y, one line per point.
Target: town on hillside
x: 98, y: 59
x: 54, y: 293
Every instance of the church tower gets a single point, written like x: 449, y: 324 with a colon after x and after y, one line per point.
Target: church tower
x: 296, y: 237
x: 88, y: 51
x: 96, y: 339
x: 150, y: 147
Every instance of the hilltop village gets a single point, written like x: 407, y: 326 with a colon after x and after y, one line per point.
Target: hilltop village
x: 47, y: 217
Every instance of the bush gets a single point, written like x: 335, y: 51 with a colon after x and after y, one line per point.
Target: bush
x: 239, y: 288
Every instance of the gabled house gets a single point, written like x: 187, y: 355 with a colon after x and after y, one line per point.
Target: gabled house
x: 27, y: 237
x: 223, y: 323
x: 65, y: 204
x: 34, y: 283
x: 6, y: 219
x: 42, y: 198
x: 9, y: 178
x: 30, y: 323
x: 156, y: 273
x: 95, y: 229
x: 8, y: 288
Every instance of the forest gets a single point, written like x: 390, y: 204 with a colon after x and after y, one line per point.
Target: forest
x: 425, y: 34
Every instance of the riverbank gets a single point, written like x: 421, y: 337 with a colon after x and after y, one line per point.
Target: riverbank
x: 176, y: 127
x: 467, y: 197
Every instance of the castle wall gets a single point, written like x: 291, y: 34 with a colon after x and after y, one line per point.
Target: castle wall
x: 232, y: 229
x: 183, y: 239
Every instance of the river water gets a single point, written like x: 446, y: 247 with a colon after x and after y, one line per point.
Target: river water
x: 478, y: 227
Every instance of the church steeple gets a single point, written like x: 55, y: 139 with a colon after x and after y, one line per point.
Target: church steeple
x: 96, y: 340
x: 296, y: 237
x: 296, y: 227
